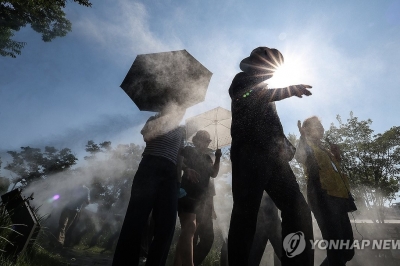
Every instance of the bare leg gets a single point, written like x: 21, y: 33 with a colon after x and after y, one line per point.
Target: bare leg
x: 184, y: 248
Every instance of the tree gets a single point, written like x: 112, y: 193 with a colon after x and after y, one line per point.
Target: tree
x: 45, y: 17
x: 372, y: 162
x: 31, y: 164
x: 94, y: 148
x: 112, y: 173
x: 4, y: 182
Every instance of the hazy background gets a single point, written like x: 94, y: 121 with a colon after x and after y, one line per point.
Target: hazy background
x: 66, y: 92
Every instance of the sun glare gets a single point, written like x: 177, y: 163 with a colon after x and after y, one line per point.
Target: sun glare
x: 292, y: 72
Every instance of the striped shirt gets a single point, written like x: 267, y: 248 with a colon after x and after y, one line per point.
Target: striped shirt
x: 166, y: 145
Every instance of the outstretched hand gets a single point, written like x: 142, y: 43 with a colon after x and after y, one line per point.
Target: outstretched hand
x: 301, y: 89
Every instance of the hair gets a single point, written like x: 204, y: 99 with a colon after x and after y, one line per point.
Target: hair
x: 308, y: 122
x: 200, y: 135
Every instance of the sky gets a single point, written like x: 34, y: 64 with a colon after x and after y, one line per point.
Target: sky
x: 66, y: 92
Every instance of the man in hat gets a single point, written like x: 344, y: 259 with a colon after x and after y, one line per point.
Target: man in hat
x: 259, y: 163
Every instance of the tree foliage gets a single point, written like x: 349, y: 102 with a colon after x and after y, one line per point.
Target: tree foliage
x: 45, y: 17
x: 31, y: 164
x: 92, y: 148
x: 372, y: 162
x: 4, y: 182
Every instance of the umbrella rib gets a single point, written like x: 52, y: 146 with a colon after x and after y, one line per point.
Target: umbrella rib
x: 224, y: 126
x: 202, y: 121
x: 206, y: 119
x: 224, y: 119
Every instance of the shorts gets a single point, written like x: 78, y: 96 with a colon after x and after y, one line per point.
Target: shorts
x: 188, y: 205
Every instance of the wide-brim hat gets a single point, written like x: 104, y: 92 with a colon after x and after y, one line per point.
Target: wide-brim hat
x: 262, y: 60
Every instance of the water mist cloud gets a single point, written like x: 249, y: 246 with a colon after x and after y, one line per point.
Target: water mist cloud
x: 109, y: 171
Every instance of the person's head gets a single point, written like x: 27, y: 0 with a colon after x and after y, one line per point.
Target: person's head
x: 202, y: 139
x: 263, y: 62
x: 313, y: 128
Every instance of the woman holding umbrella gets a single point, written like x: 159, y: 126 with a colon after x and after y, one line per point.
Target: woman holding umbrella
x: 154, y: 188
x: 193, y: 203
x: 159, y: 82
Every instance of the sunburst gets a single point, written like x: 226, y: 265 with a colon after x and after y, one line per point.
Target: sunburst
x: 292, y: 72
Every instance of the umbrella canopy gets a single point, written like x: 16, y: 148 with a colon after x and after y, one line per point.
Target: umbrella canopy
x: 217, y: 122
x: 155, y: 80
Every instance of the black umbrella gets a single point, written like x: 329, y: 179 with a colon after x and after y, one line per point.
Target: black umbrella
x: 154, y: 80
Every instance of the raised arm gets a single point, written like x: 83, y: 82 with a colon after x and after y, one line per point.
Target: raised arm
x: 167, y: 120
x: 154, y: 127
x: 272, y: 95
x: 216, y: 164
x: 159, y: 125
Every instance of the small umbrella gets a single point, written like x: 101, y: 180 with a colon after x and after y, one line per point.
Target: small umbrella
x: 217, y: 122
x: 154, y: 80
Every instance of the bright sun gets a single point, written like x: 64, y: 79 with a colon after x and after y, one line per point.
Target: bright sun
x: 292, y: 72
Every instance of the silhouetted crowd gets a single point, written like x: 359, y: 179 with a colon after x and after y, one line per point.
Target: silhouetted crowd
x: 175, y: 179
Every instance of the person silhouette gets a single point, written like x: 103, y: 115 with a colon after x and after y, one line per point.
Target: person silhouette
x: 259, y: 161
x: 268, y: 229
x: 154, y: 188
x: 193, y: 205
x: 328, y: 189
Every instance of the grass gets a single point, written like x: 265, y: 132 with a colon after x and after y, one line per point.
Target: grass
x: 37, y: 256
x: 42, y: 252
x: 212, y: 259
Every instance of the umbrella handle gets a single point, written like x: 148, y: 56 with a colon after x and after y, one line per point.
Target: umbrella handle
x: 216, y: 132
